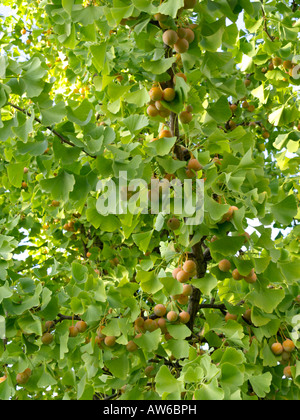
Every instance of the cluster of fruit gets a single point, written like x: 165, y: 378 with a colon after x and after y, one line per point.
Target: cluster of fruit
x: 179, y: 40
x: 284, y: 350
x: 74, y: 330
x: 186, y: 272
x: 225, y: 267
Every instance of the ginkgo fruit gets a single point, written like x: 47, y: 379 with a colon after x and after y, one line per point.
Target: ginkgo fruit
x: 155, y: 94
x: 277, y: 348
x: 47, y: 338
x: 185, y: 117
x: 173, y: 223
x: 131, y: 346
x: 184, y: 317
x: 181, y: 46
x: 73, y: 332
x: 183, y: 276
x: 195, y: 165
x: 169, y: 94
x: 170, y: 37
x: 229, y: 316
x: 172, y: 316
x: 225, y: 266
x: 81, y: 326
x: 110, y: 341
x: 160, y: 310
x: 189, y: 266
x: 288, y: 345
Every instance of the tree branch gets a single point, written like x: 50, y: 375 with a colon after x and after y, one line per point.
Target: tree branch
x: 56, y: 133
x: 272, y: 38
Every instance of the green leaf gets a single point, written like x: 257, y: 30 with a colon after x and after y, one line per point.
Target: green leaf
x: 158, y: 66
x: 210, y: 392
x: 179, y: 331
x: 79, y: 272
x: 264, y: 298
x: 220, y: 110
x: 15, y: 172
x: 98, y: 53
x: 149, y: 341
x: 67, y: 5
x: 171, y: 7
x: 59, y: 187
x: 119, y: 366
x: 285, y: 211
x: 205, y: 284
x: 142, y: 240
x: 165, y: 382
x: 149, y: 281
x: 136, y: 123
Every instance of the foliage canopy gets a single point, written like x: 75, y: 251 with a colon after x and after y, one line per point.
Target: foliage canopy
x: 74, y: 93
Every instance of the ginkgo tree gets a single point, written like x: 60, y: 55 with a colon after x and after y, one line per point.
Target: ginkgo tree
x: 147, y: 306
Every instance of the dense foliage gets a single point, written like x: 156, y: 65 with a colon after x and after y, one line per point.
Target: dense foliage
x: 90, y: 305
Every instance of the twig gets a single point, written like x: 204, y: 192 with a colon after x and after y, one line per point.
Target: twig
x: 272, y: 38
x: 56, y: 133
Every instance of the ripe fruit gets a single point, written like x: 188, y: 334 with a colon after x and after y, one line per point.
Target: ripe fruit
x: 175, y: 272
x: 22, y: 378
x: 233, y: 107
x: 55, y: 203
x: 181, y: 46
x: 194, y: 165
x: 170, y: 37
x: 179, y: 75
x: 23, y: 31
x: 277, y: 348
x: 155, y: 94
x: 110, y: 341
x: 266, y: 134
x: 288, y: 346
x: 160, y: 17
x: 287, y: 64
x: 229, y: 215
x: 190, y: 266
x: 148, y: 325
x: 183, y: 276
x: 164, y: 134
x: 47, y: 339
x: 189, y: 35
x: 24, y: 185
x: 287, y: 372
x: 229, y: 316
x: 236, y: 275
x: 247, y: 315
x: 169, y: 94
x: 182, y: 300
x: 152, y: 111
x: 247, y: 82
x: 224, y: 266
x: 149, y: 371
x: 185, y: 117
x: 277, y: 61
x: 173, y: 223
x: 160, y: 310
x: 172, y: 316
x: 161, y: 322
x: 73, y: 332
x: 184, y: 317
x: 252, y: 277
x: 131, y: 346
x: 81, y: 326
x: 187, y: 290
